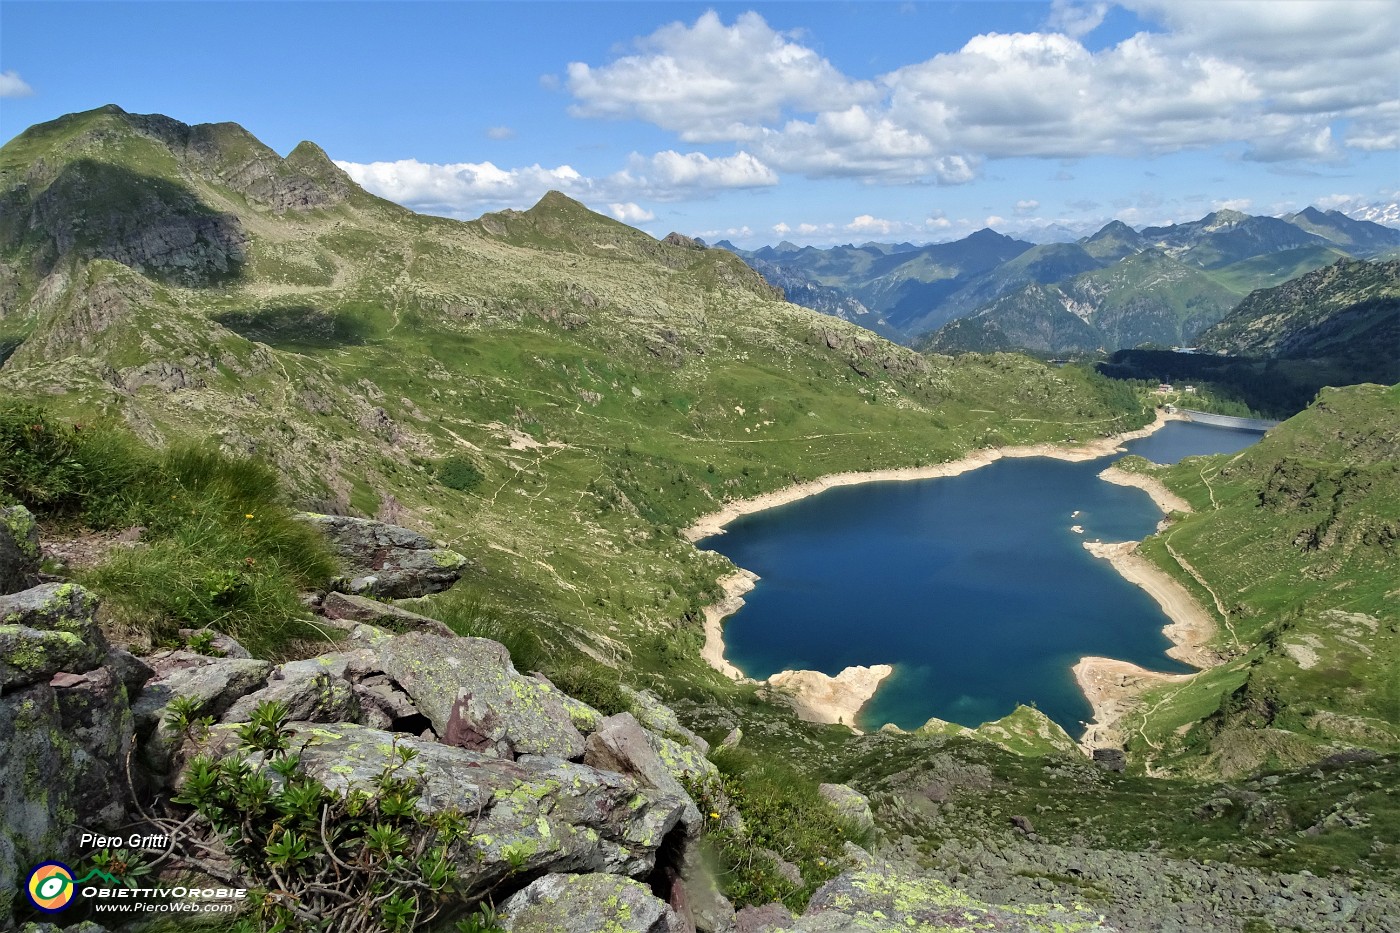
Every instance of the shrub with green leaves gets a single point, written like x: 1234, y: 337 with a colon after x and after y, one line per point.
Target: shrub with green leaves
x: 459, y: 473
x: 365, y: 861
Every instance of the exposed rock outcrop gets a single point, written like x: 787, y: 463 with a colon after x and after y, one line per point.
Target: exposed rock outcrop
x: 588, y: 904
x: 532, y: 816
x: 475, y: 698
x: 46, y: 630
x: 19, y: 550
x: 849, y: 803
x: 347, y: 608
x: 387, y: 560
x: 65, y: 728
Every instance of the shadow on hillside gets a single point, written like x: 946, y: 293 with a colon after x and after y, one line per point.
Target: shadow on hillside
x: 97, y: 210
x: 299, y: 327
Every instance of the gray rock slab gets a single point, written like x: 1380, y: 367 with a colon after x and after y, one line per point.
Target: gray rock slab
x: 587, y: 904
x: 531, y: 816
x: 387, y: 560
x: 474, y: 697
x: 346, y: 607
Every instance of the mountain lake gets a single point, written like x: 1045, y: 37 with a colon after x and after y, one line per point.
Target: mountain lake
x: 975, y: 587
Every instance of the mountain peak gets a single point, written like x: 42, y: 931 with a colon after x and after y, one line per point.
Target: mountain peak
x: 1113, y: 228
x: 558, y: 201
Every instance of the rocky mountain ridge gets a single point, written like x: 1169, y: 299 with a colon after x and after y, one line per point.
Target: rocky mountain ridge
x: 1225, y: 254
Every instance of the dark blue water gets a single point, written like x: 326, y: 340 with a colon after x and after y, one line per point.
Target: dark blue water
x: 973, y: 586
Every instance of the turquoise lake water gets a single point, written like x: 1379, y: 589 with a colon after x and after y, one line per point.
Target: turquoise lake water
x: 973, y: 586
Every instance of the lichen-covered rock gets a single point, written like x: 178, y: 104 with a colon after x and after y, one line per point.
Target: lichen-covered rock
x: 19, y: 550
x: 470, y: 691
x: 767, y: 918
x: 622, y: 745
x: 342, y: 664
x: 383, y: 706
x: 345, y: 607
x: 660, y: 718
x: 587, y: 904
x: 62, y: 751
x: 322, y: 698
x: 685, y: 762
x: 883, y: 900
x: 585, y: 718
x: 47, y: 629
x: 531, y: 816
x: 129, y: 669
x: 849, y: 803
x: 215, y: 684
x: 387, y: 560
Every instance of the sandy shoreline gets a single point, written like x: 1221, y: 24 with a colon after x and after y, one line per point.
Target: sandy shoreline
x: 1166, y: 500
x: 713, y: 523
x: 734, y: 586
x: 1112, y: 687
x: 818, y: 697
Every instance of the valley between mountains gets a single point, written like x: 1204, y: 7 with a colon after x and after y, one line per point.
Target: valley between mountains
x: 198, y: 335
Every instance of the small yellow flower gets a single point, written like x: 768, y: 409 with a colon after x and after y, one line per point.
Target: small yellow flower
x: 249, y: 515
x: 714, y: 815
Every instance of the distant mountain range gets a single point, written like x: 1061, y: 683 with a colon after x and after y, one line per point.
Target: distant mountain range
x: 1349, y: 312
x: 1118, y: 288
x: 1339, y: 325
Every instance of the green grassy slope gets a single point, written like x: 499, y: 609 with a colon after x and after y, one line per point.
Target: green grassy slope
x: 608, y: 388
x: 1296, y: 540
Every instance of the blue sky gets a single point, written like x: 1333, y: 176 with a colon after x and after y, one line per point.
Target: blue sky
x: 813, y: 122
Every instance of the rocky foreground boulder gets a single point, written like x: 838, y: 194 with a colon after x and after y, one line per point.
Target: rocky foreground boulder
x: 65, y: 728
x: 385, y: 560
x: 19, y: 550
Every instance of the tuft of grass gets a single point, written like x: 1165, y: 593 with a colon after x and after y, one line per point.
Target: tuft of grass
x: 70, y: 472
x: 782, y: 813
x: 221, y: 548
x: 223, y: 551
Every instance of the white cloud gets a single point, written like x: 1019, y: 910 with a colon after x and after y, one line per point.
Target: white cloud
x: 468, y: 188
x: 1281, y: 81
x: 1076, y: 19
x: 462, y: 186
x: 500, y: 132
x: 1028, y: 206
x: 711, y: 82
x: 781, y: 229
x: 631, y: 213
x: 866, y: 223
x: 671, y: 169
x: 1232, y: 204
x: 12, y: 85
